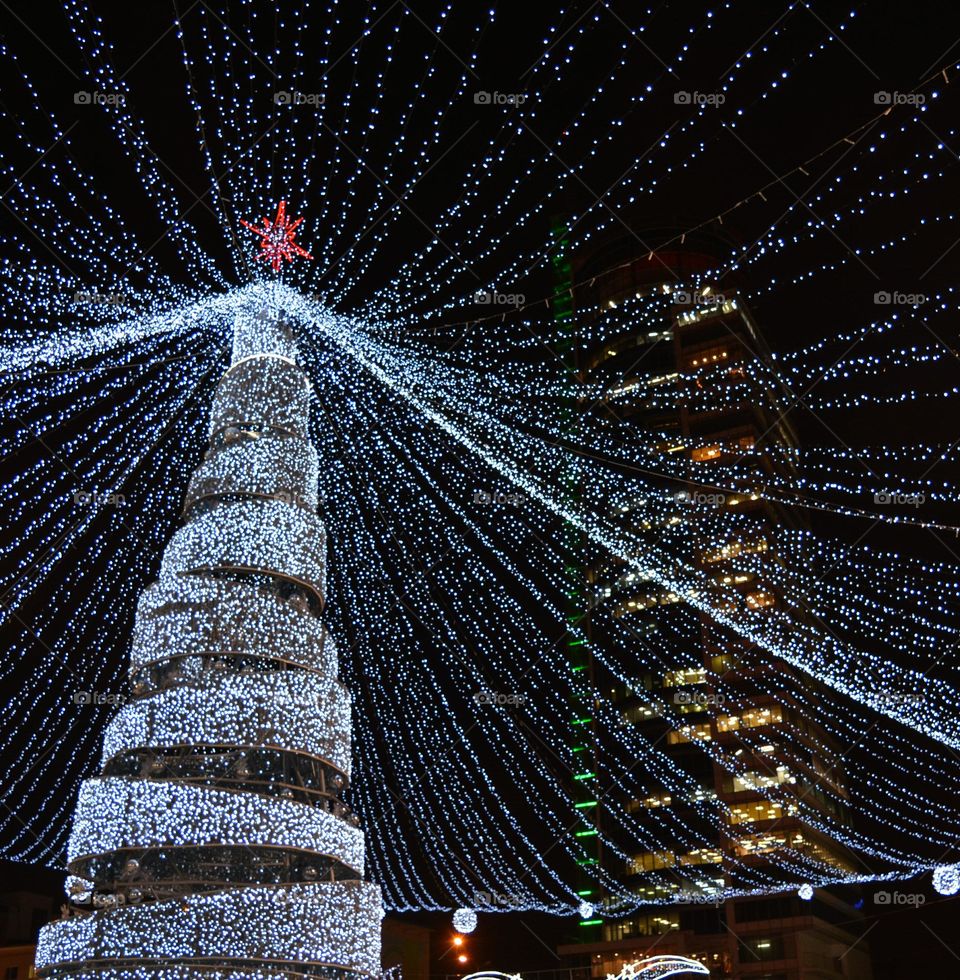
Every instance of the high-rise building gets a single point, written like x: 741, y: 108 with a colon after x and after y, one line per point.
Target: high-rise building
x: 215, y: 841
x: 652, y: 339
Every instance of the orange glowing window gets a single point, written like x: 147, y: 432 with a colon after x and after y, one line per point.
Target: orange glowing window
x: 704, y: 453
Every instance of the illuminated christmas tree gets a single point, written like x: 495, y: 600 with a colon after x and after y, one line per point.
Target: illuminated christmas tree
x: 215, y: 841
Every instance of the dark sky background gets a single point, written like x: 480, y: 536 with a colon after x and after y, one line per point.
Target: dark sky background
x: 891, y: 47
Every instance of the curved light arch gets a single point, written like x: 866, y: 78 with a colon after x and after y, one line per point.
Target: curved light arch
x: 655, y: 967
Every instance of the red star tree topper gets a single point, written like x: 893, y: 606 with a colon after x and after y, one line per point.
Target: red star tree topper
x: 277, y: 238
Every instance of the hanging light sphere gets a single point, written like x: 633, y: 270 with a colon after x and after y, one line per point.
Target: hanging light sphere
x: 946, y: 879
x: 586, y: 910
x: 805, y: 892
x: 464, y: 920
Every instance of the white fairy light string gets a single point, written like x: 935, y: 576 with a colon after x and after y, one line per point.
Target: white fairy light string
x: 418, y: 435
x: 317, y: 573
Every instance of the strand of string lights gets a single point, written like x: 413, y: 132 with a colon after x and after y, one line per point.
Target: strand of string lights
x: 440, y: 470
x: 402, y: 523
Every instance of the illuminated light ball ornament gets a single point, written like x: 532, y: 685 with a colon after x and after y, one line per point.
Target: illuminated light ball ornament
x: 805, y: 892
x: 464, y: 920
x: 585, y: 910
x: 946, y: 879
x: 277, y: 238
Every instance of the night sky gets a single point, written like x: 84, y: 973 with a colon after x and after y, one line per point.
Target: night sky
x: 889, y: 48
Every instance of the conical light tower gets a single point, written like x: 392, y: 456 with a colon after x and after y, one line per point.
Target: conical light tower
x: 215, y: 842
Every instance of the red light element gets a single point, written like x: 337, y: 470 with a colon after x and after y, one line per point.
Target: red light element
x: 277, y: 238
x: 458, y: 940
x: 461, y: 958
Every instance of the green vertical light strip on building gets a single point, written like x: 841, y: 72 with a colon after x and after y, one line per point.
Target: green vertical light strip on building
x: 582, y: 749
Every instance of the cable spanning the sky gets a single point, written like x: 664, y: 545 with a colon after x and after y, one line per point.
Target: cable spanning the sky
x: 443, y: 432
